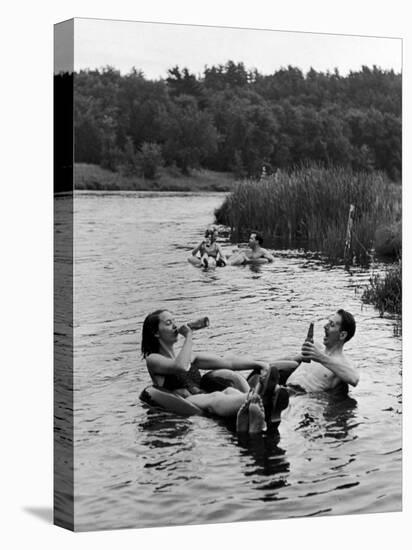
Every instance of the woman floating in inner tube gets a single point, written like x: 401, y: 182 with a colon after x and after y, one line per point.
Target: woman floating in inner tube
x: 179, y: 373
x: 210, y: 252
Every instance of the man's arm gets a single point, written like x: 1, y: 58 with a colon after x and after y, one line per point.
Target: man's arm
x: 267, y: 255
x: 238, y: 259
x: 338, y: 365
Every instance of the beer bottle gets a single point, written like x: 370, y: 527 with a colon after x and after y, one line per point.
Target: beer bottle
x: 309, y: 338
x: 203, y: 322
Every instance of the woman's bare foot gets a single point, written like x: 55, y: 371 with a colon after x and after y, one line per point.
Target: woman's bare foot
x: 257, y: 422
x: 242, y: 419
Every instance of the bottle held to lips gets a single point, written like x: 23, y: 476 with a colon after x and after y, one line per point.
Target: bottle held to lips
x: 203, y: 322
x: 309, y: 338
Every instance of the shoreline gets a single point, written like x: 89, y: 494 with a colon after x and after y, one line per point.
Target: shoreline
x: 91, y: 177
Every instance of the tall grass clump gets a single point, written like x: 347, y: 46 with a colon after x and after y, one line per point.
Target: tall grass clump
x: 385, y: 290
x: 310, y: 206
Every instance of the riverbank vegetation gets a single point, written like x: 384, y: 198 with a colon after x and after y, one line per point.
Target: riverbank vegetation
x: 385, y: 290
x: 91, y: 176
x: 231, y: 119
x: 309, y: 206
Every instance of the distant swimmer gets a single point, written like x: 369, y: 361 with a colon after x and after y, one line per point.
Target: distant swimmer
x: 255, y: 253
x: 208, y: 253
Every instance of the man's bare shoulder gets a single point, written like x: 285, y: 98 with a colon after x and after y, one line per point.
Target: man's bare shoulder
x: 343, y: 358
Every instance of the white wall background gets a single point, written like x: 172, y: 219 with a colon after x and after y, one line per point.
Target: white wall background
x: 26, y: 271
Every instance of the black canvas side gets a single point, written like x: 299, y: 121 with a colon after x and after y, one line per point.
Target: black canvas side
x: 63, y: 276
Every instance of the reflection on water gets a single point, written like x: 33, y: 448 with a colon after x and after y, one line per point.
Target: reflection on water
x: 163, y: 430
x: 268, y: 458
x: 330, y: 419
x: 137, y: 467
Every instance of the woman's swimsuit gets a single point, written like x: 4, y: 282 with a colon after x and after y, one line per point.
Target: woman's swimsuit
x: 213, y: 252
x: 189, y: 380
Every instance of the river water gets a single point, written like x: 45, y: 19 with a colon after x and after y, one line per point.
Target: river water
x: 136, y: 467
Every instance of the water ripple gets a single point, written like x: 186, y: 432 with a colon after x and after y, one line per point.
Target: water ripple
x: 135, y: 467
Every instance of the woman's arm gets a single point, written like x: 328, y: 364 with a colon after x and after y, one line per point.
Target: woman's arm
x: 222, y: 254
x: 197, y: 248
x: 267, y: 255
x: 159, y: 364
x: 293, y: 358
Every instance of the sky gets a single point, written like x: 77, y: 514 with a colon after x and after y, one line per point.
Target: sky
x: 155, y: 47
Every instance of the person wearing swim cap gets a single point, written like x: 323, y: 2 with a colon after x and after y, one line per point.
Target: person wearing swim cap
x: 179, y: 372
x: 255, y: 253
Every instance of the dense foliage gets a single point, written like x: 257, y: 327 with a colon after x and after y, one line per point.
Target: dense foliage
x: 232, y: 119
x: 310, y: 206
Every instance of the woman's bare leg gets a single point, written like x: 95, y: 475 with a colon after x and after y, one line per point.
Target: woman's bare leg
x: 194, y: 260
x: 248, y: 408
x: 225, y: 376
x: 219, y: 403
x: 204, y: 260
x: 285, y: 368
x: 209, y: 361
x: 211, y: 262
x: 231, y: 390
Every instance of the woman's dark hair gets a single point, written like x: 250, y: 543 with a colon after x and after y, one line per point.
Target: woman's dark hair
x: 150, y: 342
x: 211, y: 233
x: 348, y: 323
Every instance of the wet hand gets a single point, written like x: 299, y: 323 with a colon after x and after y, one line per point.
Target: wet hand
x: 184, y: 330
x: 311, y: 351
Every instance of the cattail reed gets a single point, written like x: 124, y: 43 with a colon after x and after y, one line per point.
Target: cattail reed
x: 310, y: 206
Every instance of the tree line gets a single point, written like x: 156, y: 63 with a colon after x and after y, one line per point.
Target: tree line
x: 238, y: 120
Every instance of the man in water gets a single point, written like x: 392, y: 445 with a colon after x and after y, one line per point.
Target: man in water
x: 323, y: 370
x: 329, y: 367
x: 255, y: 253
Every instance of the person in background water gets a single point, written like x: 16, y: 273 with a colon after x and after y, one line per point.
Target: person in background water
x: 211, y: 253
x: 179, y: 373
x: 255, y: 254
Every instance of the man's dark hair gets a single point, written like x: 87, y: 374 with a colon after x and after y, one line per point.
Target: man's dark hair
x: 259, y: 237
x: 348, y: 323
